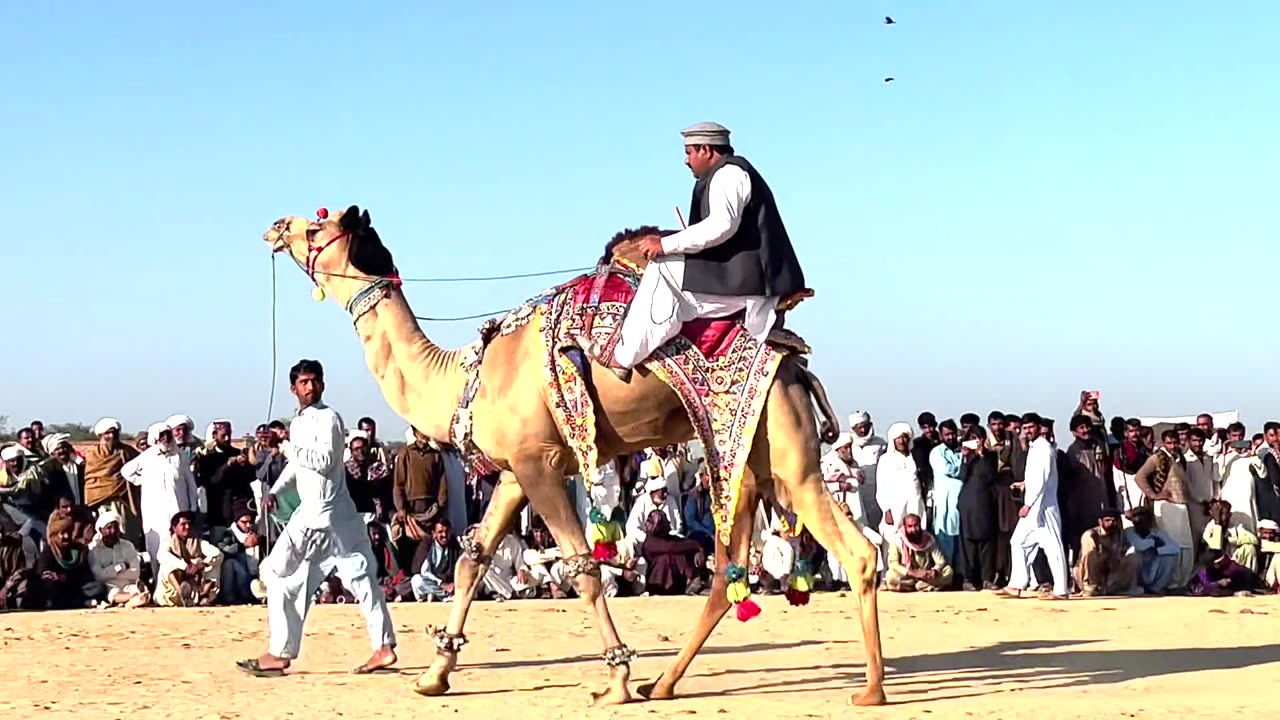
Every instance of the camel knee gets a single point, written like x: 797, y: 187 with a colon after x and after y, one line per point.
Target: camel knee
x: 584, y: 572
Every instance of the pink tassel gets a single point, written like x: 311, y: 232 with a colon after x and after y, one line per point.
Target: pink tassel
x: 796, y: 598
x: 747, y: 609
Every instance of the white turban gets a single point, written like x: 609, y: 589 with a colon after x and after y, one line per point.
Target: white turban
x: 845, y: 440
x: 862, y: 416
x: 1268, y: 525
x: 51, y: 442
x: 897, y: 430
x: 13, y: 452
x: 176, y: 420
x: 106, y: 425
x: 409, y: 437
x: 353, y: 435
x: 105, y: 518
x: 655, y: 484
x: 153, y: 432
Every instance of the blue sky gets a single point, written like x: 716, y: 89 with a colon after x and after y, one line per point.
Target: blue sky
x: 1050, y: 196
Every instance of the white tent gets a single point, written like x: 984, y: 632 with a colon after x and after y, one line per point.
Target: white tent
x: 1160, y: 424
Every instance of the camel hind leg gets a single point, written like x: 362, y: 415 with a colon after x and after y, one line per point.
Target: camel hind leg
x: 791, y: 456
x: 718, y: 603
x: 478, y: 548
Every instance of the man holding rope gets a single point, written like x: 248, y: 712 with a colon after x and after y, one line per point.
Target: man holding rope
x: 735, y: 256
x: 324, y: 535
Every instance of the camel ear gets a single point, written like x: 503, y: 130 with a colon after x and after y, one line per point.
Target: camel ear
x: 351, y: 219
x: 365, y: 219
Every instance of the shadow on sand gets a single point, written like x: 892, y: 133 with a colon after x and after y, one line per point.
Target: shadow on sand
x: 981, y: 671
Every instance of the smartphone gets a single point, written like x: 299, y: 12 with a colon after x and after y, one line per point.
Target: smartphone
x: 1095, y: 394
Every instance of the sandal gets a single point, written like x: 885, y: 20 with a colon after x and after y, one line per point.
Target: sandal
x: 254, y: 668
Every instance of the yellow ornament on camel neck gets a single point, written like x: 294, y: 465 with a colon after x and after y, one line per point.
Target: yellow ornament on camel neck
x: 318, y: 294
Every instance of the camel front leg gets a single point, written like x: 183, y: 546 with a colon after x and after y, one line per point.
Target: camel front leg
x: 549, y: 496
x: 717, y: 602
x: 477, y: 550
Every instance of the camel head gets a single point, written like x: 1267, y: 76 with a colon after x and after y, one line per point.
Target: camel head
x: 626, y: 244
x: 341, y: 252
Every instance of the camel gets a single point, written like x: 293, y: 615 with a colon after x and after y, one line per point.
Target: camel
x: 511, y: 423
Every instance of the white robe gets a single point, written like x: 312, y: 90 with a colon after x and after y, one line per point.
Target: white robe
x: 168, y: 488
x: 117, y: 566
x: 1236, y: 471
x: 634, y: 534
x: 866, y: 458
x: 1041, y: 528
x: 661, y: 305
x: 503, y: 576
x: 897, y: 492
x: 325, y: 535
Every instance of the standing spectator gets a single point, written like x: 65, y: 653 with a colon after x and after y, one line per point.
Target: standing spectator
x: 1266, y: 490
x: 105, y: 488
x: 1202, y: 484
x: 37, y: 439
x: 865, y: 449
x: 420, y: 494
x: 699, y: 520
x: 978, y: 527
x: 1129, y: 457
x: 21, y: 489
x: 1163, y: 482
x: 1089, y: 489
x: 921, y: 447
x: 369, y: 480
x: 944, y: 461
x: 168, y: 488
x: 1239, y: 469
x: 898, y: 491
x: 226, y: 475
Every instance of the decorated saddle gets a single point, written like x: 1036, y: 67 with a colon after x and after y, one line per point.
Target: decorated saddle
x: 720, y: 372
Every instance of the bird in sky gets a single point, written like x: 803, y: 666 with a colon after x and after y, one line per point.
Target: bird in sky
x: 888, y: 20
x: 888, y: 79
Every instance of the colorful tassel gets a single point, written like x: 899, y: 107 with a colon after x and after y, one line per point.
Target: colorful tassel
x: 604, y: 551
x: 597, y: 517
x: 739, y: 592
x: 796, y: 597
x: 747, y: 609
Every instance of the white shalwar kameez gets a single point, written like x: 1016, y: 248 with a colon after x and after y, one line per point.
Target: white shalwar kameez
x: 168, y: 488
x: 503, y: 578
x: 1237, y: 487
x: 1041, y: 527
x: 661, y: 305
x: 325, y: 535
x: 897, y: 494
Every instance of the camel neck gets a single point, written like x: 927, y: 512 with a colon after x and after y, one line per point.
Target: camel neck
x: 420, y: 380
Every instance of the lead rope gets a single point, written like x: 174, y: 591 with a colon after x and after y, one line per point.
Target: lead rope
x: 271, y: 403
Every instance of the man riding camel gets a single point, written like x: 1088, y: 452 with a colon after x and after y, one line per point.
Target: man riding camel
x: 735, y: 255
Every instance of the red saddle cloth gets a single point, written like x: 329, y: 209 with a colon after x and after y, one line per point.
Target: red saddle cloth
x: 712, y: 336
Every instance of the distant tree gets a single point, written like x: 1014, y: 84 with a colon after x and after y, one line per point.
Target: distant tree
x: 77, y: 431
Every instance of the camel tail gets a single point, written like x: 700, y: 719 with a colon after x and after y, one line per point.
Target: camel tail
x: 829, y: 430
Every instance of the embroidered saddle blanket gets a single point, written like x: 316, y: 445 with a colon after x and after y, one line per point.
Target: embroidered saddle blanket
x: 720, y: 372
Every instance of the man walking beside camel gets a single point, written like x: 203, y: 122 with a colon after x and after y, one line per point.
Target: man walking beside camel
x: 324, y: 535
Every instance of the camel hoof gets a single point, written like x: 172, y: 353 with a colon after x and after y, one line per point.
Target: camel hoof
x: 610, y: 697
x: 870, y: 697
x: 431, y: 688
x: 652, y: 691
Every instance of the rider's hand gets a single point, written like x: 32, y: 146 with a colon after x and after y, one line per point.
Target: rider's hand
x: 651, y: 247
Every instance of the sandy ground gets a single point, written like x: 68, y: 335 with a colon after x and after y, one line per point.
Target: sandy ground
x: 949, y: 655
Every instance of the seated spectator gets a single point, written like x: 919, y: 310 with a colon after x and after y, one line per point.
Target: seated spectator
x: 1223, y: 576
x: 1269, y: 554
x: 394, y: 583
x: 699, y: 520
x: 20, y: 485
x: 83, y: 522
x: 1236, y: 541
x: 189, y: 568
x: 20, y: 586
x: 1158, y: 553
x: 242, y: 551
x: 546, y: 564
x: 777, y: 558
x: 64, y: 568
x: 116, y: 564
x: 508, y: 574
x: 915, y: 560
x: 655, y: 497
x: 672, y: 561
x: 1106, y: 566
x: 435, y: 561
